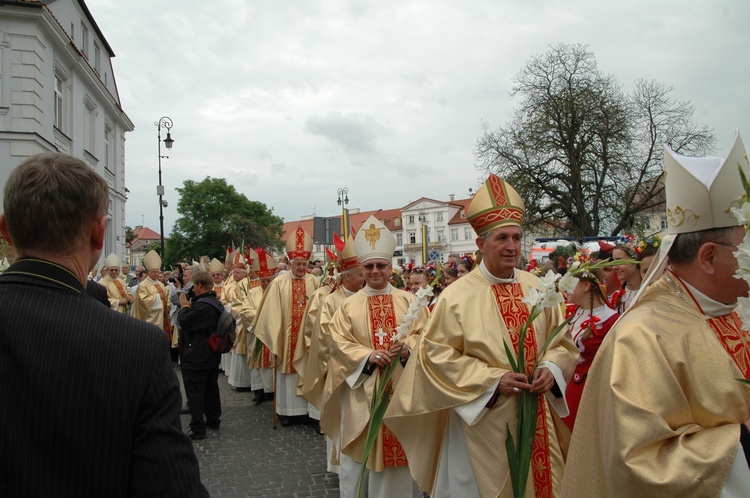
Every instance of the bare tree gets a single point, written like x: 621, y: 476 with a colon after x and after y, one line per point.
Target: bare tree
x: 582, y: 153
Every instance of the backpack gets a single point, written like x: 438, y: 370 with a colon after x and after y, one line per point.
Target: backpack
x: 222, y: 340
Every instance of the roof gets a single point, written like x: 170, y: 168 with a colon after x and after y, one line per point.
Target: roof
x: 355, y: 220
x: 445, y: 203
x: 457, y: 218
x: 145, y: 233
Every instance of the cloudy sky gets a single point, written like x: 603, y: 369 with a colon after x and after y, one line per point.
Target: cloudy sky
x: 290, y: 100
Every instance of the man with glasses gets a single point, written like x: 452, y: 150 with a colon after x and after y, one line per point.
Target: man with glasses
x: 462, y: 389
x: 279, y: 320
x: 362, y: 346
x: 663, y: 412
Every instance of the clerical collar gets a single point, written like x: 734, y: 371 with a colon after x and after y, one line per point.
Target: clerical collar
x: 378, y: 292
x: 493, y: 279
x: 294, y: 277
x: 708, y: 306
x: 219, y: 284
x: 348, y: 292
x: 153, y: 281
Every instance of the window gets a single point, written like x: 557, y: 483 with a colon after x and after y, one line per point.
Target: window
x: 89, y: 126
x: 107, y: 148
x: 454, y: 234
x: 411, y: 219
x: 441, y: 236
x: 467, y: 233
x: 399, y: 239
x: 463, y: 213
x: 97, y: 56
x: 664, y: 224
x: 412, y: 237
x: 397, y: 221
x: 84, y: 40
x: 439, y: 216
x: 59, y: 103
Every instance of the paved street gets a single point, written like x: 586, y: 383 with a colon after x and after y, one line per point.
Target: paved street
x: 246, y: 457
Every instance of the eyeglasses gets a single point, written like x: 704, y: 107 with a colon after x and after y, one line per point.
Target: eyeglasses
x: 726, y: 244
x: 379, y: 266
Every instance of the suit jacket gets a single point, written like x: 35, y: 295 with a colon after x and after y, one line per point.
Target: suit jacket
x: 90, y: 401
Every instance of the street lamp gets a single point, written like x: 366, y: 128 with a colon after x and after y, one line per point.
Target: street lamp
x: 166, y: 123
x: 343, y: 200
x: 423, y: 220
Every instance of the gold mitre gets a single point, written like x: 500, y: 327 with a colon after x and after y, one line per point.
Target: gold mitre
x: 346, y: 253
x: 216, y: 266
x: 265, y: 265
x: 299, y: 244
x: 496, y: 204
x: 111, y: 260
x: 701, y: 190
x: 374, y: 240
x: 152, y: 260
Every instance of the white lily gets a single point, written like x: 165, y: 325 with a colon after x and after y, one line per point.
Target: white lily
x: 742, y: 214
x: 550, y: 299
x: 548, y: 281
x: 423, y: 293
x: 568, y: 282
x: 533, y: 297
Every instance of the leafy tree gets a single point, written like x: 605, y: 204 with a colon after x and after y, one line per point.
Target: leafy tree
x: 584, y: 155
x: 129, y: 235
x: 213, y: 215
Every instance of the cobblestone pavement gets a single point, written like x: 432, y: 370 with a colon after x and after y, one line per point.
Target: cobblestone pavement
x: 247, y: 458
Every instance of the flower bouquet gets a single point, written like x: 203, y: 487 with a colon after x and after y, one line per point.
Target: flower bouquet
x: 743, y: 254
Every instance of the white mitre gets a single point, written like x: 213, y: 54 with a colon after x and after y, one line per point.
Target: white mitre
x: 374, y: 240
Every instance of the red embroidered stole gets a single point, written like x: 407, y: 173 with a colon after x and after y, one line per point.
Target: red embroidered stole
x: 736, y: 342
x: 383, y: 317
x: 119, y: 286
x: 515, y: 313
x: 164, y: 309
x: 299, y: 301
x: 252, y: 284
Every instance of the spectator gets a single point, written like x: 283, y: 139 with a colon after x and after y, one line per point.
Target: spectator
x: 97, y: 428
x: 198, y: 319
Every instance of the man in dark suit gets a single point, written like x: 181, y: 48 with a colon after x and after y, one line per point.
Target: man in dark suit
x: 90, y: 402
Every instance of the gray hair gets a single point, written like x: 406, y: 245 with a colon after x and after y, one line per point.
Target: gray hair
x: 686, y: 245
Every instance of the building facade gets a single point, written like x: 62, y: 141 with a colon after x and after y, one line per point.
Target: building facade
x: 58, y: 93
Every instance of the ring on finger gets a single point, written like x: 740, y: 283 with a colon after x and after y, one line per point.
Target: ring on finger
x: 377, y: 356
x: 516, y: 390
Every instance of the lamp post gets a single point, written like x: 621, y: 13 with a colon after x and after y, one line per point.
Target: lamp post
x: 166, y: 123
x: 423, y: 220
x: 343, y: 200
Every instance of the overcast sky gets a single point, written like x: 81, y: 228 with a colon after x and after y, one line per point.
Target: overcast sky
x: 291, y: 100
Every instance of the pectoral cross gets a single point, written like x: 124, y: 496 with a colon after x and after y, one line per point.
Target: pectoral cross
x: 380, y: 335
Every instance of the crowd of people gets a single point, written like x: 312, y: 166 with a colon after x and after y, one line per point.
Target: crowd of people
x: 632, y: 362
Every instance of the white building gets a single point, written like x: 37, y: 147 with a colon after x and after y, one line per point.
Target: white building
x: 58, y: 93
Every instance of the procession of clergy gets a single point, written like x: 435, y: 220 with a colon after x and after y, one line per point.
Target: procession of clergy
x: 662, y: 413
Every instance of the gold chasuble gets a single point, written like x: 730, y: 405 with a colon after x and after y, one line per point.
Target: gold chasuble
x: 460, y: 356
x: 116, y: 290
x: 355, y: 332
x: 678, y: 439
x: 239, y: 293
x: 146, y: 295
x: 278, y: 321
x: 316, y: 368
x: 309, y: 317
x: 248, y: 310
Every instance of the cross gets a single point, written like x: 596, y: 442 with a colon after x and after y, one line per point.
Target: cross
x: 380, y: 334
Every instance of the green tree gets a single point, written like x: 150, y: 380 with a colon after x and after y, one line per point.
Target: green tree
x: 213, y: 215
x: 584, y: 155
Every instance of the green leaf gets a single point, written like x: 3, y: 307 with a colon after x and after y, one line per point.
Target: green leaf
x: 744, y: 381
x: 511, y: 359
x: 560, y: 328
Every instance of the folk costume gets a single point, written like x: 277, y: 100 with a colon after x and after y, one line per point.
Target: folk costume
x: 442, y: 411
x: 117, y: 289
x: 279, y: 321
x: 588, y: 329
x: 672, y: 426
x: 151, y: 298
x: 364, y: 322
x: 261, y: 364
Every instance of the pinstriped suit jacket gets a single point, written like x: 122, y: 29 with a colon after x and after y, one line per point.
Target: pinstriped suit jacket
x: 89, y: 402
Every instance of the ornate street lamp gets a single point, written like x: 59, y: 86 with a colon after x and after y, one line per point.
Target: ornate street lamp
x: 343, y: 200
x: 166, y: 123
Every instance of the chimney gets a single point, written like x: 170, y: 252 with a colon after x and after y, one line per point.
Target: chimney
x: 452, y: 197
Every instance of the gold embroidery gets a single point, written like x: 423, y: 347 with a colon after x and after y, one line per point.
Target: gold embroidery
x: 685, y: 216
